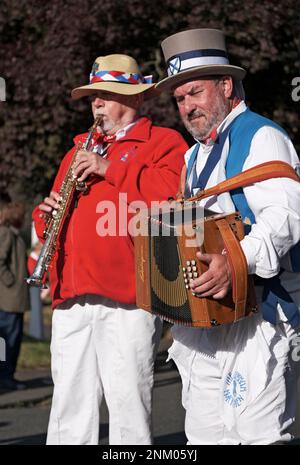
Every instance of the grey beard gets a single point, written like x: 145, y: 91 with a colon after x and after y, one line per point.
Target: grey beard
x: 197, y: 133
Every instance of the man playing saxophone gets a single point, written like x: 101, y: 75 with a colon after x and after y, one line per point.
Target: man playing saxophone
x: 102, y: 344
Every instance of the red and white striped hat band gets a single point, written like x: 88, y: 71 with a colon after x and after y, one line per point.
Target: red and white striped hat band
x: 119, y: 74
x: 120, y: 77
x: 191, y: 59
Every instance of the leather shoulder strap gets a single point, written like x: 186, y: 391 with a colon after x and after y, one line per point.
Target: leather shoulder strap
x: 268, y: 170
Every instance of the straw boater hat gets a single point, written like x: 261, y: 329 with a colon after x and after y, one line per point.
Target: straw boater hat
x: 196, y: 53
x: 119, y: 74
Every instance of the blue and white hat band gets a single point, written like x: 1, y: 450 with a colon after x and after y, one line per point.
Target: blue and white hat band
x: 194, y: 58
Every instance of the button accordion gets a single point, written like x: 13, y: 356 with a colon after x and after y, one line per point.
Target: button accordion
x: 165, y: 260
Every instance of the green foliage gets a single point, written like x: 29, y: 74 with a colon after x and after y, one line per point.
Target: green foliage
x: 47, y: 48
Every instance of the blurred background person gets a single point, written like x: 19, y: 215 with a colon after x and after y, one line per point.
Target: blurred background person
x: 13, y: 288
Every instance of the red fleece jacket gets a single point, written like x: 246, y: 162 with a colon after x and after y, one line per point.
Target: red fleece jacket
x: 146, y: 165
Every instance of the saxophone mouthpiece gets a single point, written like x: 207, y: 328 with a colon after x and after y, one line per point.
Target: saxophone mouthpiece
x: 98, y: 120
x: 97, y: 123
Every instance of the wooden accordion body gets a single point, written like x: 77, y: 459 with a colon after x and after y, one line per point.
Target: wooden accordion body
x: 166, y: 261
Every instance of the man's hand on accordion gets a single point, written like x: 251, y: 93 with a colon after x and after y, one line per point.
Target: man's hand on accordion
x: 216, y: 281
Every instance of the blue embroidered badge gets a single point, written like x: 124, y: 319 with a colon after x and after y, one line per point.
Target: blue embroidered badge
x: 234, y: 393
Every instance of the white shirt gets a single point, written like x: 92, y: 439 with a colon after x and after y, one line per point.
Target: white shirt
x: 275, y: 203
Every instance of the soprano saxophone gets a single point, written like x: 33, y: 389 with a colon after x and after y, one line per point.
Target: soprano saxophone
x: 55, y: 222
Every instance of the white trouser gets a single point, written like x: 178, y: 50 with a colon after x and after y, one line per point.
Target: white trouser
x: 100, y: 347
x: 239, y: 381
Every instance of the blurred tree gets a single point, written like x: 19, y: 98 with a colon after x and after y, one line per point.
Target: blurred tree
x: 47, y: 48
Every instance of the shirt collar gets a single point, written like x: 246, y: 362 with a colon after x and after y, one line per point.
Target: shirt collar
x: 141, y: 130
x: 123, y: 131
x: 240, y: 108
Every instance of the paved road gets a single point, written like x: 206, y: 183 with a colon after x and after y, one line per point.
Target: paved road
x: 24, y: 416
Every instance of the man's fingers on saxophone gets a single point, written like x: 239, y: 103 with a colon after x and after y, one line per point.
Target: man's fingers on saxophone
x: 55, y: 196
x: 49, y: 204
x: 44, y: 216
x: 47, y: 211
x: 87, y: 172
x: 82, y: 156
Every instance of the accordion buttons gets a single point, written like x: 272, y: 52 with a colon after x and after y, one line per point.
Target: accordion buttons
x: 195, y: 275
x: 187, y: 286
x: 193, y: 262
x: 189, y: 268
x: 190, y: 275
x: 194, y: 268
x: 183, y: 269
x: 186, y: 281
x: 188, y: 263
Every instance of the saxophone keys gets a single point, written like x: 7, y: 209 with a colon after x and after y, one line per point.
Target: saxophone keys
x: 81, y: 186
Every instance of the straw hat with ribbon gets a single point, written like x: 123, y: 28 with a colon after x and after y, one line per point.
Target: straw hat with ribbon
x: 194, y: 54
x: 119, y: 74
